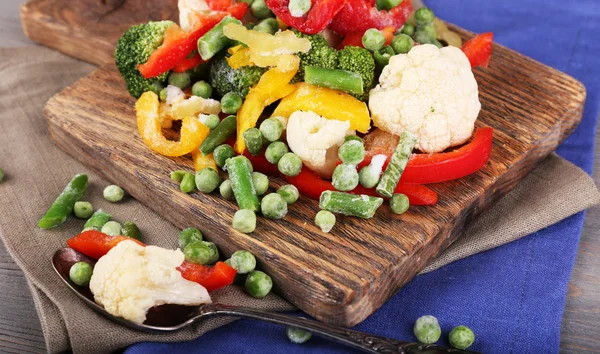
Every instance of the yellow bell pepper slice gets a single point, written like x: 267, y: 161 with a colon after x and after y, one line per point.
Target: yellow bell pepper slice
x: 272, y: 86
x: 266, y: 44
x: 327, y: 103
x: 201, y: 161
x: 240, y: 58
x: 193, y: 132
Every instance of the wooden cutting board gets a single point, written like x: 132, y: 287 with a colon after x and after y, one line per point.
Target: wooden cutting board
x: 341, y: 277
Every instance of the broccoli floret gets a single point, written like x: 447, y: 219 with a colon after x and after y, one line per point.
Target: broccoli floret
x: 133, y: 48
x: 320, y: 54
x: 360, y: 61
x: 225, y: 79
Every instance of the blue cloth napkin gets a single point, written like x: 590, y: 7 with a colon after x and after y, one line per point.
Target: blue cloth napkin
x: 512, y: 296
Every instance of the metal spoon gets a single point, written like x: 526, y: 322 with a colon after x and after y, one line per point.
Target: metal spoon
x: 170, y: 318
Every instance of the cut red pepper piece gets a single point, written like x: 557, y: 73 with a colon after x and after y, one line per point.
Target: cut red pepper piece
x: 96, y: 244
x: 314, y: 21
x: 238, y: 10
x: 479, y: 49
x: 212, y: 278
x: 188, y: 63
x: 355, y: 39
x: 218, y: 5
x: 360, y: 15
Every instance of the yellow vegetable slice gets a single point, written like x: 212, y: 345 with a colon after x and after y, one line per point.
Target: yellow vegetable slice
x: 201, y: 161
x: 266, y: 44
x: 194, y: 105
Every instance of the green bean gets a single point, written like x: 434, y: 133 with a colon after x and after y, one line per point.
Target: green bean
x: 260, y: 182
x: 113, y: 193
x: 254, y: 141
x: 202, y: 89
x: 243, y: 261
x: 244, y: 221
x: 273, y: 206
x: 362, y: 206
x: 289, y: 193
x: 325, y: 220
x: 388, y: 182
x: 80, y: 273
x: 189, y: 235
x: 188, y: 183
x: 218, y: 135
x: 63, y: 205
x: 214, y: 40
x: 241, y: 183
x: 111, y: 228
x: 258, y: 284
x: 275, y: 151
x: 207, y: 180
x: 427, y: 329
x: 461, y: 337
x: 98, y: 219
x: 399, y: 203
x: 334, y: 79
x: 130, y: 229
x: 221, y: 153
x: 298, y: 336
x: 177, y: 176
x: 225, y: 190
x: 271, y: 129
x: 83, y: 210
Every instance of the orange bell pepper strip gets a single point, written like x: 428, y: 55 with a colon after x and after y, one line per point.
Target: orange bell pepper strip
x: 188, y: 63
x: 201, y: 161
x: 193, y: 132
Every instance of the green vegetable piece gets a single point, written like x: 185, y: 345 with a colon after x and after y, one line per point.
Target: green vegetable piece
x: 249, y: 2
x: 424, y: 16
x: 162, y: 95
x: 181, y: 80
x: 298, y: 336
x: 373, y: 39
x: 254, y: 141
x: 244, y: 221
x: 177, y: 176
x: 221, y: 153
x: 189, y: 235
x: 113, y: 193
x: 130, y: 229
x: 243, y: 261
x: 408, y: 29
x: 387, y: 4
x: 201, y: 252
x: 207, y: 180
x: 325, y: 220
x: 98, y: 219
x: 214, y: 252
x: 214, y: 40
x: 360, y: 61
x: 362, y: 206
x: 353, y: 137
x: 335, y: 79
x: 271, y: 129
x: 273, y: 206
x: 81, y: 273
x: 260, y: 182
x: 345, y: 177
x: 231, y: 102
x: 202, y: 89
x: 382, y: 56
x: 63, y: 206
x: 299, y: 8
x: 134, y: 48
x: 275, y: 151
x: 399, y: 203
x: 352, y: 152
x: 427, y: 329
x: 289, y: 193
x: 268, y: 25
x: 461, y: 337
x: 241, y: 183
x: 111, y: 228
x: 320, y: 55
x: 258, y: 284
x: 188, y: 183
x: 1, y: 175
x: 219, y: 135
x: 425, y: 35
x: 260, y: 10
x: 83, y: 210
x: 395, y: 168
x: 211, y: 120
x: 225, y: 79
x: 226, y: 191
x: 368, y: 177
x: 290, y: 164
x: 402, y: 44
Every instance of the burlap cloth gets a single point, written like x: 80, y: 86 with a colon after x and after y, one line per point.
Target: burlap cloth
x: 37, y: 171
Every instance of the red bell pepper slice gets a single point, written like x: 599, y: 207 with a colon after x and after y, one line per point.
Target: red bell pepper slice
x: 96, y: 244
x: 314, y: 21
x: 212, y: 278
x: 355, y: 39
x: 360, y: 15
x: 479, y: 49
x: 188, y: 63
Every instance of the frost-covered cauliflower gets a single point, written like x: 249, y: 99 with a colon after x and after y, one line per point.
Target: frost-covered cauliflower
x: 316, y: 140
x: 130, y: 279
x: 430, y: 92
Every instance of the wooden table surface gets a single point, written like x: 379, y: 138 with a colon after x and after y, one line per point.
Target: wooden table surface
x: 20, y: 330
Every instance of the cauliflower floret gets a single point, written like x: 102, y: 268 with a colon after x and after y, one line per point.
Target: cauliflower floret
x: 187, y: 10
x: 430, y: 92
x: 316, y: 140
x: 130, y: 279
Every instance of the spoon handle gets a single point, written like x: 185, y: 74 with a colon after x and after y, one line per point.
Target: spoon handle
x: 359, y: 340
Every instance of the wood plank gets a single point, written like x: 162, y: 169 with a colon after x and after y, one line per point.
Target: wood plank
x: 531, y: 107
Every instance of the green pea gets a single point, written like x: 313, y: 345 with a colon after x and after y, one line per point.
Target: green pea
x: 402, y: 44
x: 258, y: 284
x: 399, y: 203
x: 387, y: 4
x: 260, y: 182
x: 408, y: 29
x: 243, y: 261
x: 353, y: 137
x: 268, y: 25
x: 202, y: 89
x: 461, y: 337
x: 345, y: 177
x: 424, y: 16
x: 297, y: 336
x: 244, y: 220
x: 189, y: 235
x: 382, y: 56
x: 188, y: 183
x: 211, y: 120
x: 249, y: 2
x: 113, y: 193
x: 178, y: 175
x: 197, y: 252
x: 260, y: 10
x: 162, y: 95
x: 222, y: 153
x: 368, y: 176
x: 83, y: 210
x: 130, y: 229
x: 352, y: 152
x: 427, y: 329
x: 373, y: 39
x: 207, y: 180
x: 325, y: 220
x: 1, y: 175
x: 425, y: 34
x: 111, y: 228
x: 299, y: 8
x: 289, y: 193
x: 254, y: 141
x: 81, y: 273
x: 273, y: 206
x: 290, y: 164
x: 226, y: 191
x: 275, y: 151
x: 181, y: 80
x: 271, y: 129
x: 231, y: 102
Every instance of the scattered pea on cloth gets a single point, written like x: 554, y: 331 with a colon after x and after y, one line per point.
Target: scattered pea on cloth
x: 189, y: 235
x: 111, y: 228
x: 258, y: 284
x: 461, y: 337
x: 243, y: 262
x: 113, y: 193
x: 83, y: 210
x: 298, y: 336
x: 427, y: 329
